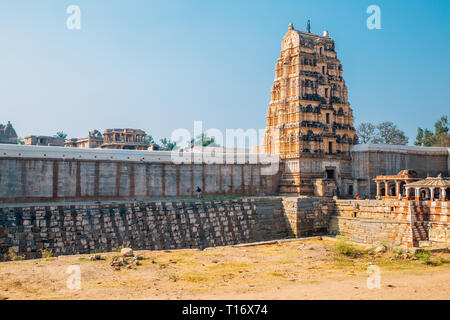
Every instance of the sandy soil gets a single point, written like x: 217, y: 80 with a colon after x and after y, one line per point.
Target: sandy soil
x: 308, y: 269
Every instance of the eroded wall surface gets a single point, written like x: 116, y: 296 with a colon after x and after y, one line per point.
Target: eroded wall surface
x: 87, y: 228
x: 29, y: 174
x: 397, y: 223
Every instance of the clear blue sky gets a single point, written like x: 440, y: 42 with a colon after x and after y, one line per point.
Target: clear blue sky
x: 160, y: 65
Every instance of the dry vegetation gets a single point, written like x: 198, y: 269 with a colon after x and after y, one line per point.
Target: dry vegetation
x: 323, y: 269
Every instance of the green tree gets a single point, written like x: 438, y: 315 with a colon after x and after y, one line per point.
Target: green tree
x: 366, y: 132
x: 61, y: 134
x: 388, y: 133
x: 149, y: 139
x: 440, y: 136
x: 20, y: 141
x: 424, y: 138
x: 167, y: 144
x: 204, y: 140
x: 441, y: 126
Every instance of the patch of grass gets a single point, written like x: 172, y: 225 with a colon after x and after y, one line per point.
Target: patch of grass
x: 12, y: 255
x: 423, y: 255
x: 46, y: 253
x: 195, y: 277
x: 286, y: 261
x: 229, y: 266
x: 442, y: 260
x: 347, y: 249
x: 83, y: 259
x: 426, y: 257
x: 277, y: 274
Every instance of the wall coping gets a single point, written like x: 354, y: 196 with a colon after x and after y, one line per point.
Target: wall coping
x: 65, y: 153
x: 392, y: 202
x: 398, y: 149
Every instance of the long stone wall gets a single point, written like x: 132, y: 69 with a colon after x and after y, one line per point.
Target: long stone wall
x: 30, y: 174
x: 90, y: 227
x: 368, y: 161
x: 398, y: 223
x: 86, y: 228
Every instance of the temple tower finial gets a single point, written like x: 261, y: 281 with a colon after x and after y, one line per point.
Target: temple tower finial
x: 308, y: 26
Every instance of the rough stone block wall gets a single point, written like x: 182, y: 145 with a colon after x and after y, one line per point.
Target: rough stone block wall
x: 399, y: 223
x: 86, y: 228
x: 307, y: 216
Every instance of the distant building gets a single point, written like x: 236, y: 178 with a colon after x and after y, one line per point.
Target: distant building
x: 394, y: 185
x: 93, y: 140
x: 8, y: 134
x: 44, y: 141
x: 129, y: 139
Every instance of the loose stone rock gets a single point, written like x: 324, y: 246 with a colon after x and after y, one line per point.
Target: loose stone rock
x: 127, y: 252
x: 380, y: 249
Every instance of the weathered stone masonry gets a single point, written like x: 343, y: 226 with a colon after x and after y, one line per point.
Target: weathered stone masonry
x: 87, y: 228
x: 398, y: 223
x: 308, y: 216
x: 30, y: 174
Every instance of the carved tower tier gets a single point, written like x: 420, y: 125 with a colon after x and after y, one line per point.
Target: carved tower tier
x: 309, y: 120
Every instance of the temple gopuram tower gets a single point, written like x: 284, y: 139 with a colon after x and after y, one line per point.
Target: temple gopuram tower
x: 309, y: 120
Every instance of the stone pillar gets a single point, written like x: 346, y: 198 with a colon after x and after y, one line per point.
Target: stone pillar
x: 355, y: 187
x: 397, y: 188
x: 386, y: 189
x: 432, y: 193
x: 378, y: 189
x: 444, y: 194
x: 407, y: 192
x: 417, y: 193
x: 405, y: 187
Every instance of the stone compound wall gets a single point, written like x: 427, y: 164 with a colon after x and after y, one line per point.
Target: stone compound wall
x: 307, y: 216
x: 398, y: 223
x: 368, y: 161
x: 30, y: 174
x: 84, y: 228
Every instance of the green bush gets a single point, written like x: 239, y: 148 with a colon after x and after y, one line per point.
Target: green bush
x: 13, y: 256
x: 347, y: 249
x: 423, y: 255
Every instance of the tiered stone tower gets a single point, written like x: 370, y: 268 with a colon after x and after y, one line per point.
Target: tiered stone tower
x: 309, y: 121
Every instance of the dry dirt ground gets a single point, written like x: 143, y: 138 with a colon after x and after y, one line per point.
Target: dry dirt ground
x: 307, y: 269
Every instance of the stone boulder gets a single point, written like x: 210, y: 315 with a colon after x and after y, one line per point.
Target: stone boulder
x: 380, y: 249
x: 127, y: 252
